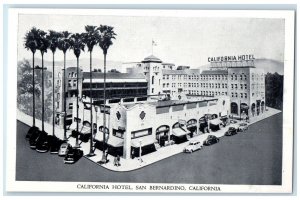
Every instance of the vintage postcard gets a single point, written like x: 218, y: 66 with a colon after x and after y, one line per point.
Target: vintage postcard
x: 180, y: 101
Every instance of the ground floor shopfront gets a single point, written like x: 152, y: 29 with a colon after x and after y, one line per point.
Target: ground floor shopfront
x: 249, y: 109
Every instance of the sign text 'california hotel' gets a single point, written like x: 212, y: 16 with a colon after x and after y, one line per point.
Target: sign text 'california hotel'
x: 231, y: 58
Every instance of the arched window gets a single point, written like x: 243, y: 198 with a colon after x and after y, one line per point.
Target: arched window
x: 152, y: 80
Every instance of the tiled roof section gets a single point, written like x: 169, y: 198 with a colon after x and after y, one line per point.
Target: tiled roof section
x: 168, y: 64
x: 152, y: 58
x: 181, y: 72
x: 214, y: 72
x: 169, y: 71
x: 100, y: 75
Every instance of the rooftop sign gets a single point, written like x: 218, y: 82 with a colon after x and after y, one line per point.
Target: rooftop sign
x: 231, y: 58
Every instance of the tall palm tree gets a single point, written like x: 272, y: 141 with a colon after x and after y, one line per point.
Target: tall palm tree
x: 105, y: 41
x: 53, y: 38
x: 77, y: 44
x: 43, y: 45
x: 31, y: 43
x: 64, y: 45
x: 91, y: 38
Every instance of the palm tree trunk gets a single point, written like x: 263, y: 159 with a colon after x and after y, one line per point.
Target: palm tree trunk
x: 77, y: 107
x: 104, y: 110
x: 64, y: 96
x: 42, y: 92
x: 91, y: 103
x: 33, y: 92
x: 53, y: 100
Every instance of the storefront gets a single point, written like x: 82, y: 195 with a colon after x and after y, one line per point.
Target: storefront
x: 214, y: 124
x: 115, y: 146
x: 162, y: 133
x: 192, y: 127
x: 142, y: 146
x: 203, y: 124
x: 179, y: 135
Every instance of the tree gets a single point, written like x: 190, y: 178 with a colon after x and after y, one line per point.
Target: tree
x: 77, y: 44
x: 91, y: 38
x: 105, y: 41
x: 43, y: 45
x: 31, y: 43
x: 274, y: 90
x: 53, y: 38
x: 64, y: 45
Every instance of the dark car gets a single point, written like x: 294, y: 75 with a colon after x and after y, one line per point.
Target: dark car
x: 54, y: 144
x: 73, y: 156
x: 231, y: 131
x: 32, y: 131
x: 211, y: 139
x: 34, y: 135
x: 42, y: 145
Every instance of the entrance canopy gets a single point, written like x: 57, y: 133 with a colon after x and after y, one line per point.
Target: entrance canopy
x: 85, y: 130
x: 178, y: 132
x: 142, y: 141
x: 215, y: 121
x: 115, y: 142
x: 74, y: 126
x: 99, y: 136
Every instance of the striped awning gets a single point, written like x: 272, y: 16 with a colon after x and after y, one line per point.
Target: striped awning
x: 143, y: 141
x: 115, y: 141
x: 179, y: 132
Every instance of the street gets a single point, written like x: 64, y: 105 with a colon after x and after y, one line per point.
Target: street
x: 253, y: 157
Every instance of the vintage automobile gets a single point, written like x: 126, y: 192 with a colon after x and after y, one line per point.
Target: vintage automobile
x: 42, y: 145
x: 193, y: 146
x: 231, y: 131
x: 73, y: 156
x: 54, y: 144
x: 243, y: 127
x: 211, y: 139
x: 33, y: 136
x: 64, y: 148
x: 32, y: 131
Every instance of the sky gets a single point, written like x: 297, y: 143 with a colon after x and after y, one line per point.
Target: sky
x: 182, y: 41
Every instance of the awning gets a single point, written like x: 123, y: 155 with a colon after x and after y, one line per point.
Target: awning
x: 143, y: 141
x: 85, y: 130
x: 179, y: 132
x: 73, y: 126
x: 115, y: 141
x: 215, y: 121
x: 223, y: 114
x: 234, y: 126
x: 99, y: 136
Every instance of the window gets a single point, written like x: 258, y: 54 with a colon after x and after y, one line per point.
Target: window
x: 245, y: 86
x: 152, y: 80
x: 225, y: 85
x: 245, y: 77
x: 152, y: 90
x: 69, y: 74
x: 70, y: 105
x: 231, y: 86
x: 74, y: 83
x: 235, y: 77
x: 242, y: 95
x: 70, y: 83
x: 236, y: 94
x: 241, y: 77
x: 241, y: 86
x: 236, y: 86
x: 163, y: 85
x: 72, y: 74
x: 245, y: 95
x: 232, y: 95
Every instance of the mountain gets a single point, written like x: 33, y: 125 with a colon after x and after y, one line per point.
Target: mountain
x: 269, y: 65
x: 84, y: 63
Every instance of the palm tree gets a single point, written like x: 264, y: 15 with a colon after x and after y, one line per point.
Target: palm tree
x: 53, y: 38
x: 105, y: 41
x: 64, y: 45
x: 91, y: 38
x: 31, y: 44
x: 43, y: 45
x: 77, y: 44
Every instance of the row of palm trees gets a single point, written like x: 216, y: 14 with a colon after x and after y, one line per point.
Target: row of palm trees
x: 39, y: 40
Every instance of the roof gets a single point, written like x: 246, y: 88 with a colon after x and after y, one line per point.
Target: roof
x: 168, y: 64
x: 181, y: 72
x: 151, y: 58
x: 113, y: 75
x: 214, y: 72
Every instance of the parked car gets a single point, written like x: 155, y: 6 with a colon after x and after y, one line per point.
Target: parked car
x: 54, y: 144
x: 42, y: 145
x: 211, y: 139
x: 243, y: 126
x: 33, y: 137
x: 64, y: 148
x: 231, y: 131
x: 32, y: 131
x: 193, y: 146
x: 73, y: 156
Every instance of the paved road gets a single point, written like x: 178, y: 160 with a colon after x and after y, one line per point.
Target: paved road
x: 253, y: 157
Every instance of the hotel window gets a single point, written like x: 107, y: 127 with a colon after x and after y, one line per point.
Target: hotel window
x: 232, y: 95
x: 235, y: 77
x: 70, y: 105
x: 226, y: 93
x: 241, y: 86
x: 74, y: 83
x: 245, y: 95
x: 70, y: 83
x: 245, y: 76
x: 252, y: 94
x: 245, y: 86
x: 75, y: 75
x: 242, y: 95
x: 236, y: 86
x: 241, y: 76
x: 72, y: 74
x: 164, y: 85
x: 152, y: 80
x: 236, y: 94
x: 152, y: 90
x: 231, y: 86
x: 231, y: 77
x: 69, y: 75
x: 222, y: 85
x: 164, y: 77
x: 225, y: 85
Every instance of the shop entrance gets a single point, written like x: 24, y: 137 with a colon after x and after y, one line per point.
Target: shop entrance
x: 162, y: 133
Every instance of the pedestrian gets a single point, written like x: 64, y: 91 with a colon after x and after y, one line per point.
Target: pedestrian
x: 115, y: 161
x: 118, y: 161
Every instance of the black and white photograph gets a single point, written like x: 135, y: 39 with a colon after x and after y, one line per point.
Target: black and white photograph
x: 151, y: 101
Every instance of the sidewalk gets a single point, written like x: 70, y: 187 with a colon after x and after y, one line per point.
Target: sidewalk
x: 133, y: 164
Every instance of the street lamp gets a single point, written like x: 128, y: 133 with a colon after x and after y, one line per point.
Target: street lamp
x: 140, y: 151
